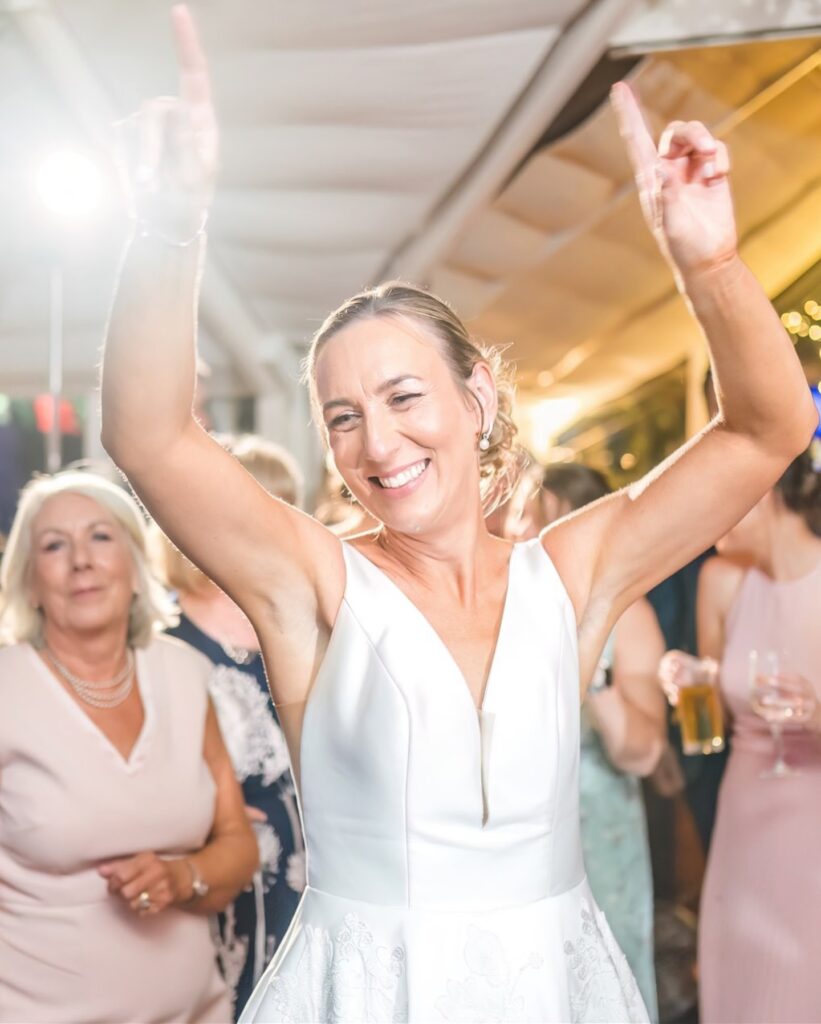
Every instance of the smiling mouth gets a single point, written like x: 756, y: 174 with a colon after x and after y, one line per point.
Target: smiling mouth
x: 390, y: 483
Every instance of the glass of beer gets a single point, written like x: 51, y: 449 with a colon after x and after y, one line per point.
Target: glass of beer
x: 692, y: 685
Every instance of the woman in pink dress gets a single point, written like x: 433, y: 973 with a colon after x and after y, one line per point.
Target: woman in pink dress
x: 759, y: 941
x: 121, y: 824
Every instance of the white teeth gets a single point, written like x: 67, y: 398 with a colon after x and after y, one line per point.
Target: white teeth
x: 405, y: 477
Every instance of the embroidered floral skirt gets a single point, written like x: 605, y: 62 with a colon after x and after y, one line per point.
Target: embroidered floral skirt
x: 554, y: 960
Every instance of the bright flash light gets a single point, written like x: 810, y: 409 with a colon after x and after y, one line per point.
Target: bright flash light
x: 69, y: 184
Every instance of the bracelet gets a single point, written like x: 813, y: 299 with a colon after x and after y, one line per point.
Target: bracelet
x: 199, y: 887
x: 145, y: 229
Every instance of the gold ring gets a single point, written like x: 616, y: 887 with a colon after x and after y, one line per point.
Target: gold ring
x: 144, y: 901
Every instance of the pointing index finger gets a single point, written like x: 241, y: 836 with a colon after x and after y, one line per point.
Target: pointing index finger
x: 195, y: 85
x: 633, y: 129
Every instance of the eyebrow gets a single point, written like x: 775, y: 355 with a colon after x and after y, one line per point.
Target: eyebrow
x: 385, y: 386
x: 58, y: 529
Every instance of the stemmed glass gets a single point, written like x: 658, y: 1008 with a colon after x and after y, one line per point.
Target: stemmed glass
x: 781, y: 697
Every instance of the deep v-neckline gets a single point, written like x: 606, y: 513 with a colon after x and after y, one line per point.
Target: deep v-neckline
x: 434, y: 632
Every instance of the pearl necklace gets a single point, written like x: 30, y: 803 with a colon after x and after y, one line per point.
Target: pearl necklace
x: 92, y: 692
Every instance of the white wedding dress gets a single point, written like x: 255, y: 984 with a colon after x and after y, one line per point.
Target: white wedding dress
x: 445, y: 874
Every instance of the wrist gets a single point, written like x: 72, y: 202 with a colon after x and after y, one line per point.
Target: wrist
x: 179, y: 235
x: 717, y: 274
x: 197, y: 886
x: 181, y: 882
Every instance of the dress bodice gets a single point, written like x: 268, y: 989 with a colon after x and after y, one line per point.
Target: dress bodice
x: 400, y: 770
x: 777, y: 615
x: 445, y: 875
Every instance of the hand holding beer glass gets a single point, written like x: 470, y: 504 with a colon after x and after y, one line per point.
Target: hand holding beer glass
x: 691, y: 686
x: 781, y: 697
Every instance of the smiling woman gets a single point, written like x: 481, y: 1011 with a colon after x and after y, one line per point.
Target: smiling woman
x: 121, y: 824
x: 401, y: 315
x: 432, y: 671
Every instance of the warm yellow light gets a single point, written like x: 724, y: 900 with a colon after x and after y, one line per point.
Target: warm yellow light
x: 815, y: 332
x: 543, y: 420
x: 803, y: 331
x: 545, y: 378
x: 811, y: 307
x: 627, y: 461
x: 793, y: 321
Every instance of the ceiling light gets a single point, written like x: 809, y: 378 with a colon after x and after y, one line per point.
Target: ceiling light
x: 69, y: 184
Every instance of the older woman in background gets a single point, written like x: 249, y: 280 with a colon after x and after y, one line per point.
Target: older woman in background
x: 121, y: 824
x: 251, y: 928
x: 622, y: 736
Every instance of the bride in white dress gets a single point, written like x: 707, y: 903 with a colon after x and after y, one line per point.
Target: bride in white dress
x: 428, y: 674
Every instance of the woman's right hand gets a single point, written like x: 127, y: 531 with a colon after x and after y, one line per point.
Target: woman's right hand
x: 678, y: 669
x: 171, y: 151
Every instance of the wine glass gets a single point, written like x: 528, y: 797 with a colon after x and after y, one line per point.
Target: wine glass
x: 781, y: 697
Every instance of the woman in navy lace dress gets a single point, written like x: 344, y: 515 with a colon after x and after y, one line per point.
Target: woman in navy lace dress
x: 248, y: 932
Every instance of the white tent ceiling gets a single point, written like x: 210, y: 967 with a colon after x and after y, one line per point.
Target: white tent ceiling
x: 361, y: 138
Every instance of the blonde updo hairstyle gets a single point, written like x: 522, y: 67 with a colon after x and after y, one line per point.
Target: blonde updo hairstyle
x: 152, y: 610
x: 500, y: 465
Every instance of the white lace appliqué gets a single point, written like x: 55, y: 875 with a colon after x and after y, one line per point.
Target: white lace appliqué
x: 255, y: 742
x: 341, y: 979
x: 488, y: 993
x: 602, y: 986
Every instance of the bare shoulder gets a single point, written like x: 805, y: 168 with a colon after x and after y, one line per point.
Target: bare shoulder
x: 639, y: 617
x: 719, y: 582
x: 639, y: 639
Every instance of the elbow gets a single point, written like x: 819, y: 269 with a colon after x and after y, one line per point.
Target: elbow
x: 798, y: 434
x: 113, y: 439
x: 639, y: 762
x: 109, y: 441
x: 646, y: 764
x: 244, y: 865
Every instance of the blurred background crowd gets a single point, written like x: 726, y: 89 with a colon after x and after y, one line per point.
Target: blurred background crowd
x: 155, y: 856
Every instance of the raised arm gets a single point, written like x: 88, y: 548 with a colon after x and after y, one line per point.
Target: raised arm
x: 615, y: 550
x: 263, y: 553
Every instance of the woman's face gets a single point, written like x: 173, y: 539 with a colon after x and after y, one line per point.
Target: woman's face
x: 82, y: 573
x: 402, y: 432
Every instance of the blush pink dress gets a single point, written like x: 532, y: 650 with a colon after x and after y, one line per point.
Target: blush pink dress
x: 69, y: 951
x: 760, y: 937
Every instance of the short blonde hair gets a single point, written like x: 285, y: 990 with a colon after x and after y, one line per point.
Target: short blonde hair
x: 271, y: 466
x: 152, y: 609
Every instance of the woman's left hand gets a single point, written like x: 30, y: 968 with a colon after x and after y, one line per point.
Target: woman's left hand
x: 683, y: 187
x: 163, y: 882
